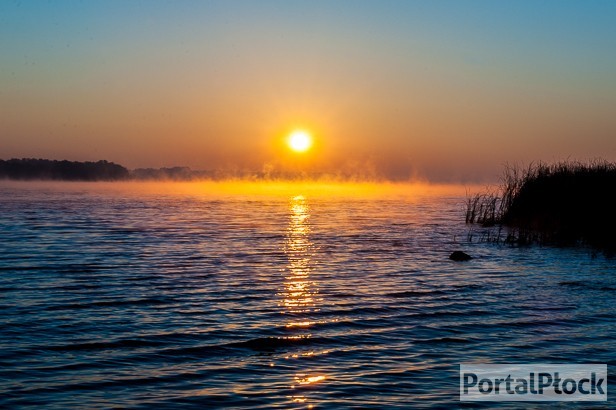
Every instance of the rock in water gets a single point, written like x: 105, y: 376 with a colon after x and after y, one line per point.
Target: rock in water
x: 460, y: 256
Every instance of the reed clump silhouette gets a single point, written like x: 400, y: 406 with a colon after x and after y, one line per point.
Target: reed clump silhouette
x: 564, y: 203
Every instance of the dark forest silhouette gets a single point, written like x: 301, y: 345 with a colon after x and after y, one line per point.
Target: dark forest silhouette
x: 171, y: 173
x: 45, y: 169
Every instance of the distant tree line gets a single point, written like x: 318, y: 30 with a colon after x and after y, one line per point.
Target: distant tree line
x: 173, y: 173
x: 45, y: 169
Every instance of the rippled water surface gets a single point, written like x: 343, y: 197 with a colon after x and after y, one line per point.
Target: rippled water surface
x: 206, y: 298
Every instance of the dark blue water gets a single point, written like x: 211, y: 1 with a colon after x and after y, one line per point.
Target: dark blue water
x: 112, y: 298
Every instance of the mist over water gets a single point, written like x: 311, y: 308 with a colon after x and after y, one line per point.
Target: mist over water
x: 280, y: 295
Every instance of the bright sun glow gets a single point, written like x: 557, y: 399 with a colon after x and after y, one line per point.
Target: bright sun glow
x: 300, y: 141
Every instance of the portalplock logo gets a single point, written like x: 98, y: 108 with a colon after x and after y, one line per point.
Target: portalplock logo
x: 533, y: 382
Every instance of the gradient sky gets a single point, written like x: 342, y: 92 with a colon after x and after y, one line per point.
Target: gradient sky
x: 445, y: 90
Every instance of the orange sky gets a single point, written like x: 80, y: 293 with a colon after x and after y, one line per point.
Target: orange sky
x: 447, y: 91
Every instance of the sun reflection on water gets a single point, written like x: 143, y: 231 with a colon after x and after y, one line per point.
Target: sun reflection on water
x: 300, y: 295
x: 300, y: 291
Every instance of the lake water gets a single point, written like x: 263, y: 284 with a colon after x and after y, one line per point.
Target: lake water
x: 287, y: 296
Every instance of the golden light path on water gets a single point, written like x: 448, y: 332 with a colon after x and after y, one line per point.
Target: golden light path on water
x: 254, y: 188
x: 300, y: 293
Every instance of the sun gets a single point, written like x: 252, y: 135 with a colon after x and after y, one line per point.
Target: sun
x: 300, y: 141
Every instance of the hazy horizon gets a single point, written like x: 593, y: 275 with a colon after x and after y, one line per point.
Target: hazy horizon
x: 442, y: 91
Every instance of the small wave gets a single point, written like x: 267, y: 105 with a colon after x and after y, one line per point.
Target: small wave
x: 573, y: 283
x: 244, y: 298
x: 466, y: 313
x: 444, y: 340
x: 25, y: 268
x: 75, y: 268
x: 542, y: 323
x: 471, y: 286
x: 150, y: 340
x: 127, y: 231
x: 586, y: 285
x: 111, y: 303
x: 413, y: 293
x: 117, y: 344
x: 344, y: 295
x: 260, y: 345
x: 265, y: 344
